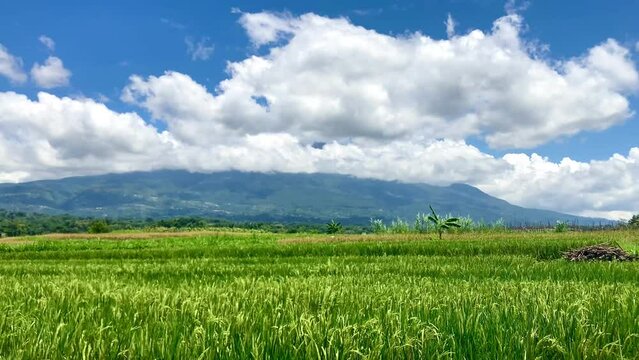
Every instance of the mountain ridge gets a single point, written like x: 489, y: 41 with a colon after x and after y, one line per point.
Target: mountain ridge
x: 252, y: 196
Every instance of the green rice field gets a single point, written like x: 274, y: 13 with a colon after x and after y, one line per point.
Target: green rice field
x: 243, y: 295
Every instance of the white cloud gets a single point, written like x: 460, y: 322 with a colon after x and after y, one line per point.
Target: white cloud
x: 11, y: 66
x: 333, y: 80
x: 450, y: 26
x: 173, y: 24
x: 50, y: 74
x: 102, y: 98
x: 187, y: 107
x: 47, y: 41
x: 516, y: 6
x: 607, y: 188
x: 394, y: 108
x: 53, y: 137
x: 265, y: 27
x: 200, y: 50
x: 368, y: 11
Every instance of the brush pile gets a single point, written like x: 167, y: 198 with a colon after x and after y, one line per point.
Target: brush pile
x: 600, y: 252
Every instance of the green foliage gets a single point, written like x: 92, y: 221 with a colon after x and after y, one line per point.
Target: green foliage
x: 248, y: 295
x: 499, y: 225
x: 183, y: 223
x: 466, y: 224
x: 634, y: 221
x: 442, y: 224
x: 399, y: 226
x: 378, y: 226
x: 422, y: 225
x: 561, y: 226
x: 334, y: 227
x: 98, y: 227
x: 19, y: 224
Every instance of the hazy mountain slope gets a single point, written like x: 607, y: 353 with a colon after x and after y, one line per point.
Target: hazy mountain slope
x: 258, y: 196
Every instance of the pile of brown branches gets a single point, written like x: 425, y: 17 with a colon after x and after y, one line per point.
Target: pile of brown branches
x: 600, y: 252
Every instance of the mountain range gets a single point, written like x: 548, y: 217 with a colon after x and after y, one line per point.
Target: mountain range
x: 246, y: 196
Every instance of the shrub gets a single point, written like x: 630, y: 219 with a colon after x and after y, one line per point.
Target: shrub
x: 98, y: 227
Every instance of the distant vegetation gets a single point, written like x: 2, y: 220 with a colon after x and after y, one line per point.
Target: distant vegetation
x: 24, y: 224
x: 98, y: 227
x: 434, y: 223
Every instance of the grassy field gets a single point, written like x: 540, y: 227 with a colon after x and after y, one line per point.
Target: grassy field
x: 255, y: 295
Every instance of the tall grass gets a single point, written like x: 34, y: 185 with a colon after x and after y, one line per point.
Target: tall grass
x: 422, y: 225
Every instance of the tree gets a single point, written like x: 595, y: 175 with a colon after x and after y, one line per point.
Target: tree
x: 442, y: 224
x: 333, y: 227
x: 98, y: 227
x: 634, y: 221
x: 15, y: 228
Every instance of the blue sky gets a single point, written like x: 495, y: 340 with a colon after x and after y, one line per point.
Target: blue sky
x: 102, y: 44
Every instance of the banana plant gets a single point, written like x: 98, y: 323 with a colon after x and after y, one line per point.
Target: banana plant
x: 442, y: 224
x: 334, y: 227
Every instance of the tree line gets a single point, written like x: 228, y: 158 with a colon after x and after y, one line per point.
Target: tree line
x: 13, y: 223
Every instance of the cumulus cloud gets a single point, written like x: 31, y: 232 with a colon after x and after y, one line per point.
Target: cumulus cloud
x: 11, y: 66
x: 186, y: 106
x: 47, y: 41
x: 607, y: 188
x: 50, y: 74
x: 329, y: 96
x: 200, y: 50
x: 331, y: 80
x: 52, y: 137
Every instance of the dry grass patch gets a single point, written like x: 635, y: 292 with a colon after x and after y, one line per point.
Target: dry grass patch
x: 113, y: 236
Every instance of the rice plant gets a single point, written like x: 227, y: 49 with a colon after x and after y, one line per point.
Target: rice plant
x: 277, y: 296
